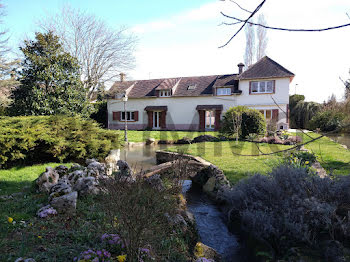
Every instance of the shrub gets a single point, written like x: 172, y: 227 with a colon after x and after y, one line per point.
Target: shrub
x: 291, y: 208
x: 100, y: 113
x: 243, y: 121
x: 327, y: 121
x: 140, y: 213
x: 52, y: 138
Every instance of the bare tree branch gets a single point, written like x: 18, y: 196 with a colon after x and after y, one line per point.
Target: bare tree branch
x: 102, y: 52
x: 241, y: 7
x: 244, y: 23
x: 286, y: 29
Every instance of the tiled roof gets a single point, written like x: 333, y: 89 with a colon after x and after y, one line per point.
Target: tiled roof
x: 265, y: 68
x: 199, y: 85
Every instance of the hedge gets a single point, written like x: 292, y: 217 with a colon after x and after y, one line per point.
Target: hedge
x: 39, y: 139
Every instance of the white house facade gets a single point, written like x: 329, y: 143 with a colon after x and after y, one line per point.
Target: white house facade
x: 198, y: 103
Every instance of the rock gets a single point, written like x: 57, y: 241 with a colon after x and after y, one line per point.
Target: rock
x: 150, y: 141
x: 96, y: 169
x: 124, y: 168
x: 21, y: 259
x: 59, y: 189
x: 46, y: 211
x: 183, y: 141
x: 156, y: 182
x: 165, y: 142
x: 47, y: 179
x: 205, y: 138
x: 61, y: 170
x: 66, y: 203
x: 177, y: 220
x: 111, y: 161
x: 75, y: 167
x: 209, y: 186
x: 320, y: 171
x: 86, y: 185
x: 74, y: 176
x: 201, y: 250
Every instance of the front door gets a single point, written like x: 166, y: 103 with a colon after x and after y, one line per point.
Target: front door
x: 209, y: 120
x: 156, y: 120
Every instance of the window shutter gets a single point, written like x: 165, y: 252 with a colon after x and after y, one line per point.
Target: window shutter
x: 115, y: 116
x: 201, y: 119
x: 162, y: 121
x: 157, y: 93
x: 136, y: 115
x: 275, y: 114
x: 118, y: 116
x: 250, y: 87
x: 274, y: 86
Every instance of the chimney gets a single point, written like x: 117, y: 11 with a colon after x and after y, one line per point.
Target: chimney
x: 240, y: 68
x: 122, y: 77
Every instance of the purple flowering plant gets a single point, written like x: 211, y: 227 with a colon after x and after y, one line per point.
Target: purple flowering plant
x: 94, y: 256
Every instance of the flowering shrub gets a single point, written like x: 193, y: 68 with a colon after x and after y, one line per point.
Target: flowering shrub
x: 301, y: 159
x: 203, y: 259
x: 112, y: 239
x: 46, y: 211
x: 290, y: 208
x: 94, y: 256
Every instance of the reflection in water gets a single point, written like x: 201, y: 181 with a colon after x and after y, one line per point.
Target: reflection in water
x: 140, y: 157
x: 343, y: 139
x: 211, y: 226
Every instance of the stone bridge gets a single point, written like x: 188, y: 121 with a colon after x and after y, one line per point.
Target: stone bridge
x: 209, y: 177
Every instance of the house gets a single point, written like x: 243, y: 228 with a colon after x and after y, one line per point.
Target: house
x: 198, y: 103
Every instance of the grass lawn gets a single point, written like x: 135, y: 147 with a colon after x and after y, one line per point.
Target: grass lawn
x: 141, y: 136
x: 224, y: 155
x: 59, y: 238
x: 331, y: 155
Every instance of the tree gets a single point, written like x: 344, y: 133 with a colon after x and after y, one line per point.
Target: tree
x: 50, y: 80
x: 7, y: 69
x: 261, y: 35
x: 102, y: 52
x: 250, y: 45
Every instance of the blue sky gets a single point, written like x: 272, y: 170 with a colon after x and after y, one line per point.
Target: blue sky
x: 181, y: 38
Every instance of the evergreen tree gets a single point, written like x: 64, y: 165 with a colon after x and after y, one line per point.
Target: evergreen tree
x: 50, y: 80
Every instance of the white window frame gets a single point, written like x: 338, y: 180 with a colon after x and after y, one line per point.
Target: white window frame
x: 261, y: 87
x: 164, y: 93
x: 130, y: 115
x: 223, y: 91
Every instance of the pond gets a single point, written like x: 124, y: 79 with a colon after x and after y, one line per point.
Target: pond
x: 343, y: 139
x: 210, y: 221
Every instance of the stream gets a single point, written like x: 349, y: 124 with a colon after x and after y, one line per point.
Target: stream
x: 210, y: 221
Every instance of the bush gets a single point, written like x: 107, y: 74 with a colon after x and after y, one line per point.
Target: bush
x: 243, y: 121
x: 327, y: 121
x: 291, y: 208
x: 100, y: 113
x: 140, y: 213
x: 52, y: 138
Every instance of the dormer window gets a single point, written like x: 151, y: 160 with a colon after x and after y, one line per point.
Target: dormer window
x: 164, y: 93
x: 191, y: 87
x: 223, y: 91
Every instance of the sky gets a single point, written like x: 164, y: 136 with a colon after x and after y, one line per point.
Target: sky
x: 182, y: 37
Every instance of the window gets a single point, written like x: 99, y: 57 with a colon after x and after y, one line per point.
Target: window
x: 130, y: 116
x: 191, y: 87
x: 267, y: 114
x: 164, y: 93
x: 261, y: 87
x: 223, y: 91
